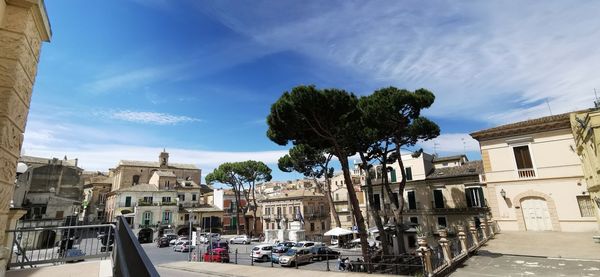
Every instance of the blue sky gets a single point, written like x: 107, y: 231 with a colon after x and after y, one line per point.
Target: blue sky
x: 124, y: 79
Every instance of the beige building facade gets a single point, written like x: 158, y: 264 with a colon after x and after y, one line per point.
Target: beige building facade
x: 24, y: 26
x: 586, y: 130
x: 534, y: 176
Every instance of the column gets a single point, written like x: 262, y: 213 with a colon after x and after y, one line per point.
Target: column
x: 491, y: 227
x: 445, y: 243
x: 462, y: 237
x: 425, y: 253
x: 473, y: 231
x: 483, y: 229
x: 23, y: 27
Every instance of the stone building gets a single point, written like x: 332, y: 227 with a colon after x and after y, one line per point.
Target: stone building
x: 339, y: 195
x: 224, y: 199
x: 586, y: 130
x: 24, y: 26
x: 50, y: 188
x: 95, y: 191
x: 296, y: 215
x: 535, y: 180
x: 130, y: 173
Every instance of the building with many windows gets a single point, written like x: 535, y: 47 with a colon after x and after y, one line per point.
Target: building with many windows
x: 296, y: 208
x: 534, y: 176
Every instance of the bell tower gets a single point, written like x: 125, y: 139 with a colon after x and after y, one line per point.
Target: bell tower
x: 163, y: 158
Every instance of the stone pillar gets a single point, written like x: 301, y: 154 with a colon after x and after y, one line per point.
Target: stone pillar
x: 425, y: 253
x: 445, y: 243
x: 483, y: 229
x: 23, y: 27
x: 473, y: 231
x: 462, y: 237
x: 491, y: 227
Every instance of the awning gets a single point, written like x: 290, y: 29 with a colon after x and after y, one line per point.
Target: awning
x: 338, y: 232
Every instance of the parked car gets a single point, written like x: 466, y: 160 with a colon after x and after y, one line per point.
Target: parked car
x: 207, y: 237
x: 261, y: 252
x: 184, y: 246
x: 218, y: 255
x: 288, y: 244
x: 295, y: 257
x: 170, y: 237
x: 162, y: 242
x: 240, y: 239
x: 277, y: 252
x: 321, y: 253
x: 305, y: 244
x: 179, y: 239
x: 218, y: 244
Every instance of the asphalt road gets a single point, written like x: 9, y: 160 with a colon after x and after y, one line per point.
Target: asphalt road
x: 166, y: 255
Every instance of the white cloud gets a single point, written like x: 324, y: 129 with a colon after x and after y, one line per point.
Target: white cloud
x: 104, y: 156
x: 453, y: 143
x: 151, y: 117
x: 499, y: 60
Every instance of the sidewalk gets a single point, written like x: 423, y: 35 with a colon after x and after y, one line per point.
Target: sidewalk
x: 546, y: 244
x: 100, y: 268
x: 233, y: 270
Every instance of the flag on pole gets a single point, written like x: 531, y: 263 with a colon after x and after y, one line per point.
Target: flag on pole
x: 299, y: 216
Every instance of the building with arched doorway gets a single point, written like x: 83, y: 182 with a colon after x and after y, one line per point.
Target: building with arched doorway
x: 535, y: 181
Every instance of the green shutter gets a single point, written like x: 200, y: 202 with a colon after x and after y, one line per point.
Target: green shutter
x: 393, y: 175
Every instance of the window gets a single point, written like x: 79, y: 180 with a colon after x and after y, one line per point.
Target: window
x: 181, y: 197
x: 444, y: 164
x: 312, y: 226
x: 412, y: 242
x: 522, y: 157
x: 412, y: 200
x: 474, y: 197
x: 166, y: 199
x: 393, y: 175
x: 438, y: 199
x: 267, y: 211
x: 278, y: 210
x: 322, y: 225
x: 376, y: 202
x: 477, y: 222
x: 194, y: 197
x: 337, y: 197
x: 408, y: 172
x: 167, y: 217
x: 148, y: 199
x: 128, y: 201
x: 586, y: 206
x: 414, y: 219
x: 136, y: 179
x: 147, y: 218
x: 441, y: 222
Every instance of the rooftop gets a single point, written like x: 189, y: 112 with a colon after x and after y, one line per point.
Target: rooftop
x: 155, y: 164
x: 300, y: 193
x: 542, y: 124
x: 449, y: 158
x: 473, y: 168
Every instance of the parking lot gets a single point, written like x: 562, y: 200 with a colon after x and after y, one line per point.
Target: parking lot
x: 167, y: 255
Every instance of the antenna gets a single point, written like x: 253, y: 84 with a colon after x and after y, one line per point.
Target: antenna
x: 597, y: 102
x: 548, y: 103
x: 435, y: 145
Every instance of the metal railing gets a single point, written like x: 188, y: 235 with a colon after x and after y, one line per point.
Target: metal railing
x: 437, y: 256
x: 455, y: 247
x: 59, y: 244
x: 526, y: 173
x: 405, y: 264
x: 129, y: 259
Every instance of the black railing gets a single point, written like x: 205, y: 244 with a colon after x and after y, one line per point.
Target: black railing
x: 455, y: 247
x: 129, y: 259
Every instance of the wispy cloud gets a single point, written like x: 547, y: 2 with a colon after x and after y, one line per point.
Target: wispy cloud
x: 494, y: 59
x: 453, y: 143
x: 151, y: 117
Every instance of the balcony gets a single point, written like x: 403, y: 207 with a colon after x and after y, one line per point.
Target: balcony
x: 172, y: 203
x: 447, y: 211
x: 526, y: 173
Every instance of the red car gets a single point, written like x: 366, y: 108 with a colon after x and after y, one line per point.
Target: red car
x: 217, y: 255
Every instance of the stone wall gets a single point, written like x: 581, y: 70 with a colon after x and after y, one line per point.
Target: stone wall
x: 23, y: 27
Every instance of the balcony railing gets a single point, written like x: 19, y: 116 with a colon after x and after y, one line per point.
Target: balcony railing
x: 129, y: 259
x: 526, y: 173
x: 172, y: 203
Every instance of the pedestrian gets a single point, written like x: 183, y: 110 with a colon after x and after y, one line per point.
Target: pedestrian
x: 339, y: 263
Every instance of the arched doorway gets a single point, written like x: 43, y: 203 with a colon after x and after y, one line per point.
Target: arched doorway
x: 145, y: 235
x: 183, y: 231
x: 536, y: 214
x: 46, y: 239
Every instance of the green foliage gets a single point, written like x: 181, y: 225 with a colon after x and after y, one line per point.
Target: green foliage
x: 306, y: 160
x: 238, y: 173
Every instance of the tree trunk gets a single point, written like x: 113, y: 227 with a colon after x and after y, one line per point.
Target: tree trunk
x: 399, y: 203
x: 374, y: 212
x: 254, y: 208
x: 360, y: 221
x: 331, y: 204
x: 237, y: 210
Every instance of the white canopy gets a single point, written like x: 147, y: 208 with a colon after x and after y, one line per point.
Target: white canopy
x: 338, y: 232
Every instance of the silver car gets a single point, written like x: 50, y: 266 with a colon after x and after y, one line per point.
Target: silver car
x: 240, y: 239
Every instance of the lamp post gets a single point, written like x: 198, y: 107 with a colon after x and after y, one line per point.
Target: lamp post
x: 21, y: 168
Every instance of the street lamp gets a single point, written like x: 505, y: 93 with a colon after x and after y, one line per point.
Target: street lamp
x: 21, y: 168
